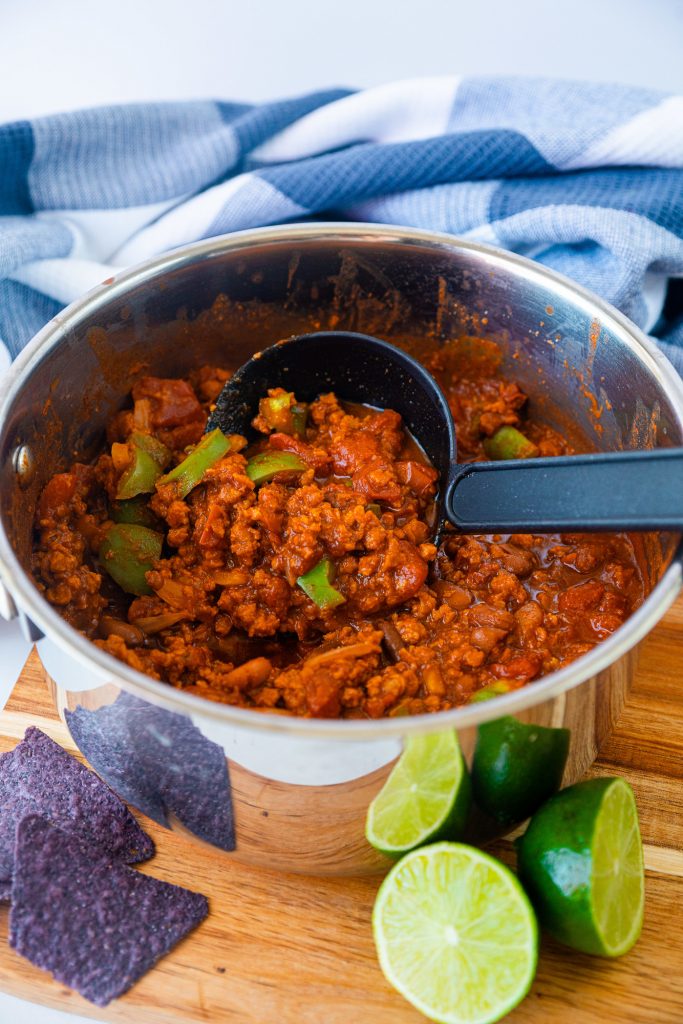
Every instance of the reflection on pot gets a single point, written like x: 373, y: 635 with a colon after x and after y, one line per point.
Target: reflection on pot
x: 159, y: 762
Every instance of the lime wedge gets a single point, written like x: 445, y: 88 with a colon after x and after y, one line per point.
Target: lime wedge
x: 516, y: 767
x: 456, y: 934
x: 581, y: 861
x: 427, y: 796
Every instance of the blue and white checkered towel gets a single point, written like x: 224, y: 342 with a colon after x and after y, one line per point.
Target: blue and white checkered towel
x: 587, y: 179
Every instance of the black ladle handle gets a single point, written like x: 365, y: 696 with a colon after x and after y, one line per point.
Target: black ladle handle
x: 631, y: 490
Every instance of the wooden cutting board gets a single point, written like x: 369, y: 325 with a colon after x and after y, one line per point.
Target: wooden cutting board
x: 283, y: 949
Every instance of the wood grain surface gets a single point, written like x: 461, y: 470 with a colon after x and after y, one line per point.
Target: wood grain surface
x: 285, y: 949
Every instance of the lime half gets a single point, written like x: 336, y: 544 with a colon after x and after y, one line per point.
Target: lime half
x: 426, y: 797
x: 581, y: 861
x: 456, y: 934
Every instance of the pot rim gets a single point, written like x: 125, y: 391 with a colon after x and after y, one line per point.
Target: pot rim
x: 105, y: 665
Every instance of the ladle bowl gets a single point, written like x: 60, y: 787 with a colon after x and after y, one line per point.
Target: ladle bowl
x: 628, y: 490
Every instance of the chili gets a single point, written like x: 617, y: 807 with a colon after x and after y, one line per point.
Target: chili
x: 299, y: 573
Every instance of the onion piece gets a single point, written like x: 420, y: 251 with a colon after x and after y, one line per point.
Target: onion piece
x: 351, y: 651
x: 142, y: 415
x: 155, y: 623
x: 231, y: 577
x: 172, y: 593
x: 120, y: 456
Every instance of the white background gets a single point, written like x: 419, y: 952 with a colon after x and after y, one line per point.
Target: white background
x: 70, y: 53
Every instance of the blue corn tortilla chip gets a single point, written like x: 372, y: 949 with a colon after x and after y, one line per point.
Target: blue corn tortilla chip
x: 40, y: 777
x: 160, y: 762
x: 94, y: 923
x: 5, y: 891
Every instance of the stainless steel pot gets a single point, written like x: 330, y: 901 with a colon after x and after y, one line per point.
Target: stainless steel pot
x: 293, y: 793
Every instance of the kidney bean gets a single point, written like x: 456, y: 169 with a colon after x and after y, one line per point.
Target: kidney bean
x: 486, y: 637
x: 131, y: 635
x: 528, y: 618
x: 251, y: 673
x: 517, y: 560
x: 433, y: 681
x: 485, y: 615
x: 454, y: 596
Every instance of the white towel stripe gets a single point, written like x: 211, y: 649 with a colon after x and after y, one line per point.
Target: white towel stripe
x: 395, y: 112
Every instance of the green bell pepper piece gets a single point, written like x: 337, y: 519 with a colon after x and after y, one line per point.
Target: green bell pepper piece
x: 150, y: 458
x: 299, y: 417
x: 127, y: 553
x: 191, y: 470
x: 135, y: 511
x: 265, y: 466
x: 159, y: 452
x: 139, y: 477
x: 317, y: 585
x: 509, y: 443
x: 488, y: 692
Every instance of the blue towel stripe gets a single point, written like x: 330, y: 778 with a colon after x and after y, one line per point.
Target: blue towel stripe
x: 359, y: 172
x: 230, y: 112
x: 458, y: 207
x: 118, y: 157
x: 654, y: 193
x: 23, y: 312
x: 16, y: 154
x: 261, y: 123
x: 23, y: 239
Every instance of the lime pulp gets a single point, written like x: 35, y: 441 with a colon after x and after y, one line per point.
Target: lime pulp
x: 455, y: 934
x: 427, y: 796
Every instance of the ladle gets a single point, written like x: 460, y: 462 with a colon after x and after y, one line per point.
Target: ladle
x: 624, y: 490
